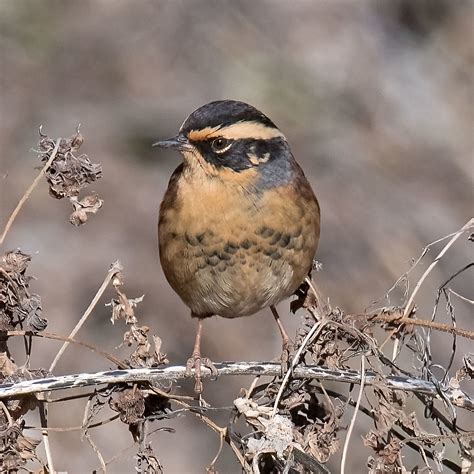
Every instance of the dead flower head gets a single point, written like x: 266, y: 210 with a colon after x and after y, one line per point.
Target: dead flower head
x: 69, y: 173
x: 17, y: 306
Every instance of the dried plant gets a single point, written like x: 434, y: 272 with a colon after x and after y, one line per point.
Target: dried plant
x: 290, y: 422
x: 69, y: 173
x: 18, y: 307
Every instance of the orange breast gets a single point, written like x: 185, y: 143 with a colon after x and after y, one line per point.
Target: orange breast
x: 229, y: 250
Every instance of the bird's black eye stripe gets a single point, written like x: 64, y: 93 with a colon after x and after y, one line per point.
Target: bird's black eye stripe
x: 220, y: 145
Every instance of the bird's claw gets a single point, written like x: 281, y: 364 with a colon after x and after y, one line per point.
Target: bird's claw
x: 196, y: 362
x: 288, y: 350
x: 206, y: 362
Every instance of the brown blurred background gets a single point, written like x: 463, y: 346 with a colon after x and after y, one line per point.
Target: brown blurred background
x: 375, y: 97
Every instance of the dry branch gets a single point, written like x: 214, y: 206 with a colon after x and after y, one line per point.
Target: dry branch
x: 409, y: 306
x: 114, y: 269
x: 271, y: 369
x: 354, y: 416
x: 397, y: 318
x: 28, y: 192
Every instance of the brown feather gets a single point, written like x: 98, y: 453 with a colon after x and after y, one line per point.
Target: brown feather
x: 228, y: 250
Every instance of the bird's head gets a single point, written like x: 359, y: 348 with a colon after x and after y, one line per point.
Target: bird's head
x: 227, y: 137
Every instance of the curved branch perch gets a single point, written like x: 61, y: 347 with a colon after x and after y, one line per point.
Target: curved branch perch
x: 271, y: 369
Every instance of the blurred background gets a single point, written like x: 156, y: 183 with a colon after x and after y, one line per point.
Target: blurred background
x: 374, y: 96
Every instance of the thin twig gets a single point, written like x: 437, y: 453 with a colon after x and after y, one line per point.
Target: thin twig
x: 252, y: 387
x: 322, y: 307
x: 97, y: 452
x: 222, y: 432
x: 410, y: 304
x: 397, y: 318
x: 29, y: 191
x: 7, y: 413
x: 45, y: 436
x: 124, y: 451
x: 414, y: 264
x: 76, y: 396
x: 115, y: 268
x: 315, y: 330
x: 437, y: 438
x: 270, y: 369
x: 401, y: 436
x: 73, y: 428
x: 121, y: 453
x: 461, y: 297
x: 49, y: 335
x: 356, y: 410
x: 216, y: 457
x: 86, y: 434
x: 311, y: 286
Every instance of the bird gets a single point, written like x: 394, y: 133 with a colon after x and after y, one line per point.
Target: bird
x: 239, y: 223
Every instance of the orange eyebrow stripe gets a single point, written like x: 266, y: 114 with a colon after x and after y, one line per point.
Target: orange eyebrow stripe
x: 239, y: 130
x: 197, y: 135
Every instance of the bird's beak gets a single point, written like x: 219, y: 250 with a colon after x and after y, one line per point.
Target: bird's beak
x: 179, y: 142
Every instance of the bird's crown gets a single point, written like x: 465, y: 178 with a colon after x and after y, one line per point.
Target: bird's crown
x: 228, y: 116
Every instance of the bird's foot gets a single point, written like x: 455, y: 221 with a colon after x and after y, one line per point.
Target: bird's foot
x: 287, y: 353
x: 196, y: 362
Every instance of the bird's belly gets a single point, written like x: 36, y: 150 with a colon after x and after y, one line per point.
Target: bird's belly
x: 237, y: 286
x: 235, y: 271
x: 231, y: 254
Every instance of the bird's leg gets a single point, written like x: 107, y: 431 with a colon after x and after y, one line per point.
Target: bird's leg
x: 287, y: 345
x: 195, y: 361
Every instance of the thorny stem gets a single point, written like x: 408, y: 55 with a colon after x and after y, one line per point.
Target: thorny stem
x: 29, y: 191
